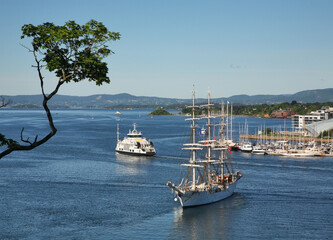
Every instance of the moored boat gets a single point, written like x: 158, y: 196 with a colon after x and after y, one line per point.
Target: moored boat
x: 258, y: 150
x: 246, y: 147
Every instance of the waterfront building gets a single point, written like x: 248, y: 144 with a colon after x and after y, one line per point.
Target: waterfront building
x: 283, y: 113
x: 300, y: 121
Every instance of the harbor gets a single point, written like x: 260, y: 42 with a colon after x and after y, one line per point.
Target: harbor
x: 78, y: 187
x: 287, y: 146
x: 286, y: 138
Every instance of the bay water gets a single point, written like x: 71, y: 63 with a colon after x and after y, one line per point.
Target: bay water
x: 76, y: 187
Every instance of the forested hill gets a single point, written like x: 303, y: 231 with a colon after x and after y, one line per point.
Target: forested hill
x: 125, y: 100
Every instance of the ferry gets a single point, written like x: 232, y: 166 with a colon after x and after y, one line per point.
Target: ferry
x: 135, y: 144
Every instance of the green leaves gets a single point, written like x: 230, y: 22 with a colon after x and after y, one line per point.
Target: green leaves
x: 74, y: 52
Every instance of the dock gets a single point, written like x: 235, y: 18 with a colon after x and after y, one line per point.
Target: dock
x: 285, y: 138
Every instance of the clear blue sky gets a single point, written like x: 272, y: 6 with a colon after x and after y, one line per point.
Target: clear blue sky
x: 230, y: 47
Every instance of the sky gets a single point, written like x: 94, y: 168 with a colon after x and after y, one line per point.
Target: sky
x: 227, y: 47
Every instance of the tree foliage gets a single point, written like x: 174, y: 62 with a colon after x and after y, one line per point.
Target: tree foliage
x: 262, y: 109
x: 73, y: 52
x: 160, y: 112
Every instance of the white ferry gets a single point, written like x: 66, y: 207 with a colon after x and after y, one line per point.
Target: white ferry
x: 135, y: 144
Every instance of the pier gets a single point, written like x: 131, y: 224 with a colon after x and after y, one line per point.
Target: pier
x: 285, y: 138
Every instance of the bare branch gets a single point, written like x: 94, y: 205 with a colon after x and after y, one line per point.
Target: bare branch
x: 26, y: 47
x: 27, y: 140
x: 5, y: 102
x: 35, y: 143
x: 39, y: 74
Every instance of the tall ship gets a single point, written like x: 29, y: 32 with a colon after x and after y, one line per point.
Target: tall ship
x: 210, y: 174
x: 135, y: 144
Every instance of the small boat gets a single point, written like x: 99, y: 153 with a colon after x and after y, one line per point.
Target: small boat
x: 302, y: 153
x: 232, y: 145
x: 211, y: 178
x: 246, y: 147
x: 258, y: 150
x: 135, y: 144
x: 118, y: 113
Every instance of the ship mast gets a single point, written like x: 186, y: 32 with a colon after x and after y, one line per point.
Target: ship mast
x: 222, y: 139
x: 209, y: 149
x: 193, y: 146
x: 193, y: 151
x: 208, y: 142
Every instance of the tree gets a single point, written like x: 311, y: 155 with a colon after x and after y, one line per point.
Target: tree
x: 73, y: 52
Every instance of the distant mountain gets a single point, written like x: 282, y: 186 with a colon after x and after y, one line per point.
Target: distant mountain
x: 125, y: 100
x: 308, y: 96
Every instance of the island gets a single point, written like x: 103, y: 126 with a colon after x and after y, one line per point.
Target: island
x: 160, y: 112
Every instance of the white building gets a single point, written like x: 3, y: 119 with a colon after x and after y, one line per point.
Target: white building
x: 299, y: 121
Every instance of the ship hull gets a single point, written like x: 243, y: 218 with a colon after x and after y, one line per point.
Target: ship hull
x: 259, y: 152
x: 192, y: 199
x: 136, y: 153
x: 246, y: 151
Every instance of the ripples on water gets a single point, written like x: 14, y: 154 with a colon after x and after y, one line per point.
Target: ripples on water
x: 76, y: 187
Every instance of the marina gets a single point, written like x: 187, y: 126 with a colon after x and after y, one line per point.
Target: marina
x: 285, y: 138
x: 287, y: 146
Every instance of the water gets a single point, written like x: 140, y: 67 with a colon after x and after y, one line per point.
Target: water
x: 76, y: 187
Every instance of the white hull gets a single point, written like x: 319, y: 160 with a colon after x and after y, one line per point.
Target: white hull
x: 300, y: 155
x: 259, y: 152
x: 246, y: 151
x: 192, y: 198
x: 246, y: 148
x: 138, y: 153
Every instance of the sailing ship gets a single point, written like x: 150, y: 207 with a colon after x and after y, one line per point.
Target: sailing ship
x: 135, y: 144
x: 210, y: 178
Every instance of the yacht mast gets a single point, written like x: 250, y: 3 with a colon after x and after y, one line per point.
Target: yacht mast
x: 227, y: 120
x: 117, y: 132
x: 231, y: 122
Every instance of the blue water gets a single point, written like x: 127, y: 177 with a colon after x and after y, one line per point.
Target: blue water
x: 76, y: 187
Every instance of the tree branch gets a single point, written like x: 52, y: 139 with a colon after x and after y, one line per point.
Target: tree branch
x: 35, y: 143
x: 4, y: 102
x: 27, y: 140
x: 39, y: 73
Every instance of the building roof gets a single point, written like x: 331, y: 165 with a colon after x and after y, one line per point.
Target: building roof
x: 316, y: 128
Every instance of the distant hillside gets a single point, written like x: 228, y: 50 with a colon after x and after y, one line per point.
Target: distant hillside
x: 308, y: 96
x: 125, y: 100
